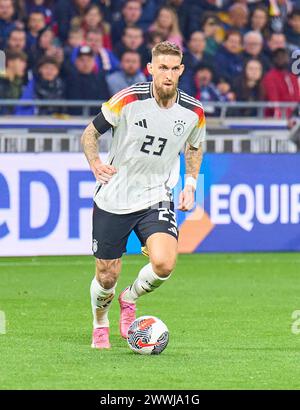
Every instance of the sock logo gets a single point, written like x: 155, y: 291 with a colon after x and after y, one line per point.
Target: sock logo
x: 151, y: 286
x: 103, y: 302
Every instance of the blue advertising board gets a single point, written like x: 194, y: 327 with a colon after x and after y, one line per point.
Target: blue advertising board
x: 244, y: 202
x: 251, y: 203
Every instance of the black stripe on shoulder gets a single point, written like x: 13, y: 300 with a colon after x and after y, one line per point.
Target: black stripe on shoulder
x: 142, y: 90
x: 188, y: 102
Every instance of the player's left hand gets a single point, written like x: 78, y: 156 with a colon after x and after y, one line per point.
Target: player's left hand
x: 186, y: 198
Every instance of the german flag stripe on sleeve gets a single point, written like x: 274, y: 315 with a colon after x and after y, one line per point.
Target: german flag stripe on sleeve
x: 117, y: 106
x: 201, y: 118
x: 127, y: 96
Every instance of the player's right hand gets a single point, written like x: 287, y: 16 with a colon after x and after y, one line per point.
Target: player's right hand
x: 103, y: 172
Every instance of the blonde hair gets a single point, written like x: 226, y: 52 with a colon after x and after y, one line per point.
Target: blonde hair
x: 166, y: 48
x: 174, y: 29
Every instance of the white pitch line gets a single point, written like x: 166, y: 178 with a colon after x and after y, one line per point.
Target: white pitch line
x: 78, y: 263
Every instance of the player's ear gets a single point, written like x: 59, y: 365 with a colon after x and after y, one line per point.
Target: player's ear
x: 182, y: 67
x: 149, y: 68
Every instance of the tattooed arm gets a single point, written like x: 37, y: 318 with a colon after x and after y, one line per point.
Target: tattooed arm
x: 193, y: 159
x: 89, y: 141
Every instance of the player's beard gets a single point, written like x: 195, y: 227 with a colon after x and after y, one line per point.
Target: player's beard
x: 166, y: 94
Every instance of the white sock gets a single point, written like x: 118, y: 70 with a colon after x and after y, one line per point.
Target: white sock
x: 146, y: 282
x: 101, y: 300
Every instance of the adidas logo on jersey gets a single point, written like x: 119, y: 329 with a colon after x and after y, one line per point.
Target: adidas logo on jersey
x: 141, y: 123
x: 173, y: 229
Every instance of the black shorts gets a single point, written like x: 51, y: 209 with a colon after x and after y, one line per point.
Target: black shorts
x: 111, y: 231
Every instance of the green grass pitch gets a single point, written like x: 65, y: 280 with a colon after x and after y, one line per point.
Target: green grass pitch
x: 229, y: 317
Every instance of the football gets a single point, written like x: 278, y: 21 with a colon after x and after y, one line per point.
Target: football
x: 148, y: 335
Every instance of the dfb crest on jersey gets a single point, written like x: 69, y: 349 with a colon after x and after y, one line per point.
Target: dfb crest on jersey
x: 178, y: 128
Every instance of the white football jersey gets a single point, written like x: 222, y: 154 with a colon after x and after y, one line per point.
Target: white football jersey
x: 146, y: 143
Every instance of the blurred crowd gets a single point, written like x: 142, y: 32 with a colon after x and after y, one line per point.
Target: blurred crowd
x: 247, y: 50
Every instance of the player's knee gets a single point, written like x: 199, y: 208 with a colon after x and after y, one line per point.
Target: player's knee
x: 107, y: 281
x: 107, y: 272
x: 163, y: 267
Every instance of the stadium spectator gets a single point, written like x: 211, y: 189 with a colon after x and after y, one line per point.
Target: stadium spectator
x: 109, y: 9
x: 105, y: 59
x: 203, y: 87
x: 274, y: 42
x: 237, y: 18
x: 228, y: 59
x: 131, y: 13
x: 253, y: 48
x: 214, y: 5
x: 93, y: 20
x: 74, y: 41
x: 83, y: 83
x: 153, y: 38
x: 259, y: 20
x: 87, y: 22
x: 225, y: 91
x: 7, y: 22
x: 129, y: 74
x: 49, y: 85
x: 167, y: 24
x: 69, y: 13
x: 193, y: 56
x: 76, y: 38
x: 16, y: 41
x: 46, y: 45
x: 36, y: 23
x: 133, y: 39
x: 46, y: 85
x: 41, y: 6
x: 198, y: 9
x: 149, y: 12
x: 278, y: 11
x: 248, y: 86
x: 292, y: 30
x: 279, y: 84
x: 211, y: 27
x: 184, y: 16
x: 20, y: 11
x: 195, y: 52
x: 12, y: 81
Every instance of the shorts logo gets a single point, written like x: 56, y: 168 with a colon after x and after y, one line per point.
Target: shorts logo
x: 179, y: 128
x: 95, y: 245
x: 173, y: 229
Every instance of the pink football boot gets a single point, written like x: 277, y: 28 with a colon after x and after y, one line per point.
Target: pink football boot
x: 127, y: 315
x: 101, y: 338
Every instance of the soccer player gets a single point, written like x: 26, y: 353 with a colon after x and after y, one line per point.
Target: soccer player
x: 151, y: 123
